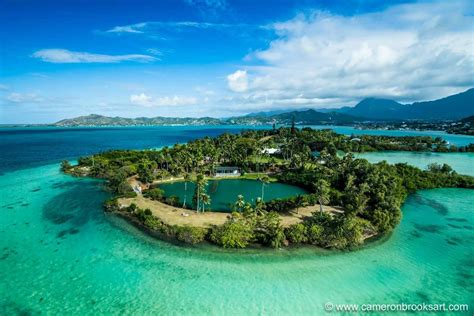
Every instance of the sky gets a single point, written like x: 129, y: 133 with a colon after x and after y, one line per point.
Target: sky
x: 221, y: 58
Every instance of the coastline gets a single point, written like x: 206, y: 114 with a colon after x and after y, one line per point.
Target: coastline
x: 168, y: 231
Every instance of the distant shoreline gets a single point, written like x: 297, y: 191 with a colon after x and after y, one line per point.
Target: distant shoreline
x: 357, y: 127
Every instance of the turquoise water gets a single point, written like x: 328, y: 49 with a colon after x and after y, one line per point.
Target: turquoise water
x: 60, y: 254
x: 453, y: 139
x: 463, y: 163
x: 224, y: 192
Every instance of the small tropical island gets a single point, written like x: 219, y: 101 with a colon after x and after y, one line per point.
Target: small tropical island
x: 273, y: 188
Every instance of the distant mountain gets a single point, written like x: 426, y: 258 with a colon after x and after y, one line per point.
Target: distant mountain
x: 308, y: 117
x: 377, y: 109
x: 301, y: 117
x: 275, y: 112
x: 469, y: 119
x: 99, y: 120
x: 450, y: 108
x: 454, y: 107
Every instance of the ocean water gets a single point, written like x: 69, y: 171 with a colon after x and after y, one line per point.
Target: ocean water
x: 34, y: 146
x: 60, y: 254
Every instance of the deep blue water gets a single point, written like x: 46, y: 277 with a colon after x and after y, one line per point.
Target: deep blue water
x: 29, y: 147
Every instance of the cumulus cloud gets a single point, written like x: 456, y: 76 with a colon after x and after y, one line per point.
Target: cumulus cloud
x: 145, y: 100
x: 62, y: 56
x: 407, y: 52
x: 238, y: 81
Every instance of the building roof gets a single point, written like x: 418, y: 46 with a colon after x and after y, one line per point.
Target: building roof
x: 226, y: 168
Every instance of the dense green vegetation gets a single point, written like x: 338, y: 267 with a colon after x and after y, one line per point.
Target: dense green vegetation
x: 370, y: 194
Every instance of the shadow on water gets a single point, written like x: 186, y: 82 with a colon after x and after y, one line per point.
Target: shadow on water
x: 79, y: 203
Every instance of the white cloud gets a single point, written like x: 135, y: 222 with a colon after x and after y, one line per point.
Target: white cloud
x: 145, y: 100
x: 154, y: 51
x: 208, y: 7
x: 216, y: 4
x: 205, y: 91
x: 16, y: 97
x: 66, y: 56
x: 158, y: 27
x: 407, y: 52
x: 132, y: 28
x: 238, y: 81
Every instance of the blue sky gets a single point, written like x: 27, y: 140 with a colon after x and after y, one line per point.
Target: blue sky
x: 221, y: 58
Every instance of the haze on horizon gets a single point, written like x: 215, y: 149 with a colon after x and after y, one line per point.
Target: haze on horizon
x: 221, y: 58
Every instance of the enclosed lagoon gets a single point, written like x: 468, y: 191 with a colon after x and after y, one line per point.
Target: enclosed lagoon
x: 224, y: 192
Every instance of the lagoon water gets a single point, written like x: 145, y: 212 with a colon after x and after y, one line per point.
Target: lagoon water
x: 462, y: 163
x: 224, y: 192
x: 60, y: 254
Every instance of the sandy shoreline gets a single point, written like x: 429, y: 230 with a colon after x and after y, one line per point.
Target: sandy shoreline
x: 174, y: 215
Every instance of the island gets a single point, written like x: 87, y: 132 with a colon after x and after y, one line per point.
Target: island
x: 452, y: 114
x: 274, y: 188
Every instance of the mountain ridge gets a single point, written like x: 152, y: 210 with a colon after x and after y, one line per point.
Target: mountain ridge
x: 453, y: 107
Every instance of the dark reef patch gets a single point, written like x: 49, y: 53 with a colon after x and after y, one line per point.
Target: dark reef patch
x: 12, y: 308
x: 435, y: 229
x: 6, y: 253
x: 415, y: 234
x: 9, y: 205
x: 454, y: 241
x: 456, y: 219
x: 423, y: 296
x: 60, y: 185
x: 36, y: 190
x: 454, y: 226
x: 70, y: 231
x: 465, y: 273
x: 439, y: 207
x: 76, y: 205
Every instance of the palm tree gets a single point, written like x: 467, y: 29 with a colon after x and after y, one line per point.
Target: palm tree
x: 322, y: 191
x: 259, y: 206
x: 187, y: 178
x: 206, y: 200
x: 265, y: 180
x: 200, y: 188
x: 240, y: 203
x: 299, y: 202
